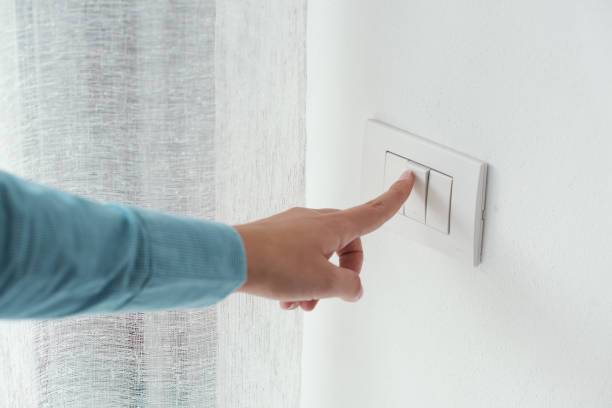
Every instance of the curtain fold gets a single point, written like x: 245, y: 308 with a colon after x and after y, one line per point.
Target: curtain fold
x: 193, y: 107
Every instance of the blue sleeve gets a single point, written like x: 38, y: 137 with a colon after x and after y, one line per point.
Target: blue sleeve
x: 63, y: 255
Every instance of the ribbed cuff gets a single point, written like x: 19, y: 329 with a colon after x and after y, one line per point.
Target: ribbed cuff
x: 192, y: 263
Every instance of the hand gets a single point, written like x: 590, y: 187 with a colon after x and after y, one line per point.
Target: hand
x: 288, y: 253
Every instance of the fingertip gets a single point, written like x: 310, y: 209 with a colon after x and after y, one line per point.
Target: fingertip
x: 356, y: 297
x: 365, y: 218
x: 402, y: 187
x: 409, y: 176
x: 289, y: 305
x: 308, y: 305
x: 352, y: 288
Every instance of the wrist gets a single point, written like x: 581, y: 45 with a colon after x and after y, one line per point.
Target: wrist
x: 243, y: 237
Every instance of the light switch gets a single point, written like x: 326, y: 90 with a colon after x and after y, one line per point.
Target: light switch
x: 414, y: 207
x: 438, y: 201
x: 450, y: 208
x: 394, y: 167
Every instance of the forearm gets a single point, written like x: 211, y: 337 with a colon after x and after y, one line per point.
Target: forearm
x: 62, y: 255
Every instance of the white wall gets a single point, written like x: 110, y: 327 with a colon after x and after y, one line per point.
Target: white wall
x: 527, y: 87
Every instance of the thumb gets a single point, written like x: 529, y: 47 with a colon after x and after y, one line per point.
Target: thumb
x: 346, y: 283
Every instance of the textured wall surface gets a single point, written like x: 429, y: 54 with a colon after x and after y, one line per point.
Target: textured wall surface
x: 526, y: 87
x: 191, y: 107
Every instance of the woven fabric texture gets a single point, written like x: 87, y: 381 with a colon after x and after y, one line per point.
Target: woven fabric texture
x: 193, y: 107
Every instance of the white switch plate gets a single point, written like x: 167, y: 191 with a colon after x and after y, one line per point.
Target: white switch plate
x: 414, y: 207
x: 464, y: 238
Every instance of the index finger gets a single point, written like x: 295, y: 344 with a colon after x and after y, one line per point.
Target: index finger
x: 365, y: 218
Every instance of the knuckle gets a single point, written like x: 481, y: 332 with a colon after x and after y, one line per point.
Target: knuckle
x: 328, y: 225
x: 295, y: 209
x: 377, y: 204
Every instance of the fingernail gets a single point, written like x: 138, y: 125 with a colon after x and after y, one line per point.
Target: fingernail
x: 292, y: 306
x: 405, y: 175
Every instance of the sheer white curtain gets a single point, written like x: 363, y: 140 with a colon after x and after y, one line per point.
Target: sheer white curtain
x: 193, y: 107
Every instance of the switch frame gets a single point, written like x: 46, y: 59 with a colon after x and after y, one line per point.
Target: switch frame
x: 467, y: 204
